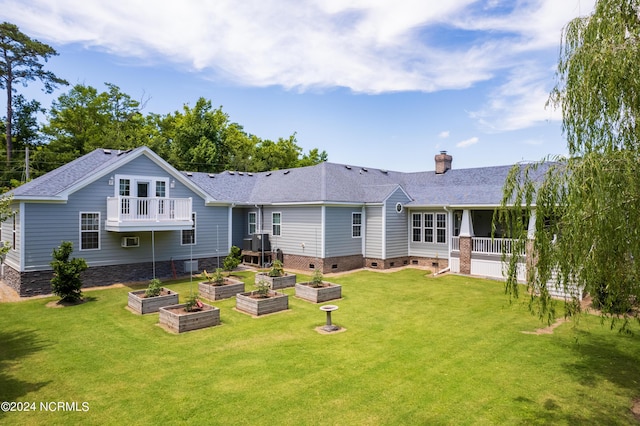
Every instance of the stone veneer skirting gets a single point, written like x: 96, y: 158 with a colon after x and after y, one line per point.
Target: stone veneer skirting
x: 39, y: 282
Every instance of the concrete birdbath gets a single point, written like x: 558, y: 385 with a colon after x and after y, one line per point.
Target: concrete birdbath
x: 328, y: 309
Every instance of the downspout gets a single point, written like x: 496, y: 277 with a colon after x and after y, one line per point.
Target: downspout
x: 449, y: 220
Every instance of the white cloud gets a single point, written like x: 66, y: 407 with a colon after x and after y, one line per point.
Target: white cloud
x: 467, y: 142
x: 444, y: 134
x: 519, y: 102
x: 368, y: 46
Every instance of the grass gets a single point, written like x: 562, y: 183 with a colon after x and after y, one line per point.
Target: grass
x: 417, y: 350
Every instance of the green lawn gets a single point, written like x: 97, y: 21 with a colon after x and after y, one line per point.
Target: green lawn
x: 417, y: 350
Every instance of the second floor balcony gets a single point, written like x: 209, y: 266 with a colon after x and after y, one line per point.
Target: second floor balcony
x: 125, y: 214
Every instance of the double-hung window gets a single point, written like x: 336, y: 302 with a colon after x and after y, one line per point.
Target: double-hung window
x: 276, y: 223
x: 416, y: 226
x: 253, y: 223
x: 356, y: 225
x: 429, y: 227
x: 89, y: 231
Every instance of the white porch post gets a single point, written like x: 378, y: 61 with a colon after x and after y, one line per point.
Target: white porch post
x: 466, y: 225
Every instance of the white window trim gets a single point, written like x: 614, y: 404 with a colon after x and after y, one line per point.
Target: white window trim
x: 133, y: 185
x: 255, y: 223
x: 354, y: 225
x: 273, y: 224
x: 434, y: 228
x: 81, y: 231
x: 413, y: 227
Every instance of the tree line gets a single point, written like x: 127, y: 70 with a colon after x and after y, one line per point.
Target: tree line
x: 196, y: 138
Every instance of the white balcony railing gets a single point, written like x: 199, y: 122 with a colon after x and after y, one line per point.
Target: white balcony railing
x: 133, y: 209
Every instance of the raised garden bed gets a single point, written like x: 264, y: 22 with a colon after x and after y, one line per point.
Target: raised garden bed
x: 287, y: 280
x: 255, y: 304
x: 137, y: 301
x: 174, y: 318
x: 227, y: 289
x: 326, y: 291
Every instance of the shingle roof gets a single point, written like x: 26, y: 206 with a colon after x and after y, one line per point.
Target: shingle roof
x: 325, y: 182
x: 60, y: 180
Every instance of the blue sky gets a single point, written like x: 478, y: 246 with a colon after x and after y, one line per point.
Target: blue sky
x: 376, y: 83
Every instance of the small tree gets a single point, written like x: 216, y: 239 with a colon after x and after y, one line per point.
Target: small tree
x: 232, y: 261
x: 277, y: 269
x: 66, y: 282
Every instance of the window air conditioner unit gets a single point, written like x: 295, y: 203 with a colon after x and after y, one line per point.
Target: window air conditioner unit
x: 130, y: 242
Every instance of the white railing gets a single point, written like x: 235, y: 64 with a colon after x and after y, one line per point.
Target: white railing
x: 134, y: 209
x: 484, y: 245
x: 491, y: 245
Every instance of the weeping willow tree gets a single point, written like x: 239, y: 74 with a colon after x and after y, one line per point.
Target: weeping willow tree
x: 586, y: 228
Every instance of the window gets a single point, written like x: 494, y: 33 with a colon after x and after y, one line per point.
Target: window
x: 417, y: 227
x: 125, y: 187
x: 276, y: 223
x: 161, y: 189
x: 13, y: 233
x: 189, y: 235
x: 89, y: 231
x: 441, y: 228
x: 429, y: 227
x: 356, y: 225
x: 125, y: 191
x: 253, y: 220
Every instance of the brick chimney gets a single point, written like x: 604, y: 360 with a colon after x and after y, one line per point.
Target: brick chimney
x: 443, y: 162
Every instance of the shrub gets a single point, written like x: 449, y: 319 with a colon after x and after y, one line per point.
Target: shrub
x: 154, y: 289
x: 234, y: 258
x: 66, y: 282
x: 193, y: 303
x: 217, y: 278
x: 262, y: 288
x: 277, y: 269
x: 316, y: 279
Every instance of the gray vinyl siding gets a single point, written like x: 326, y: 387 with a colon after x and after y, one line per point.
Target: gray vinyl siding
x: 373, y: 232
x: 338, y: 232
x: 301, y: 230
x: 50, y: 224
x: 422, y: 249
x: 239, y: 225
x: 396, y: 226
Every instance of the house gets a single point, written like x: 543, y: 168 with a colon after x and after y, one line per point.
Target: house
x: 132, y: 216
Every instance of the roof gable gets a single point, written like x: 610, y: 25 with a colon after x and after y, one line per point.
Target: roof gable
x: 58, y: 184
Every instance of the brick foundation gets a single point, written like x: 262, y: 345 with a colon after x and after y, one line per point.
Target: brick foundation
x: 331, y: 264
x: 39, y: 282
